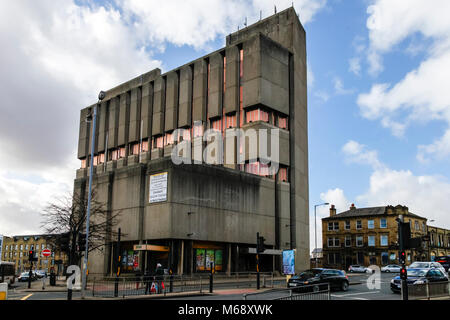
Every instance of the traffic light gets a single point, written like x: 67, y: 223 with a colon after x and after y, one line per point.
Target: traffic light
x: 81, y: 242
x: 64, y: 242
x: 403, y: 273
x: 31, y: 256
x: 405, y: 235
x: 260, y: 245
x: 402, y: 257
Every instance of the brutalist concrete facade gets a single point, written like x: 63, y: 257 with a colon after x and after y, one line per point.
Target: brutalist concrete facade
x: 211, y: 212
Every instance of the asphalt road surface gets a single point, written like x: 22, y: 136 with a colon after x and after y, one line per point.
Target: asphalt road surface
x: 377, y: 290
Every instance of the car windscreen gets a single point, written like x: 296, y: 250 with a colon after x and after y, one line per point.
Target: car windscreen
x: 420, y: 265
x: 304, y: 275
x: 416, y: 273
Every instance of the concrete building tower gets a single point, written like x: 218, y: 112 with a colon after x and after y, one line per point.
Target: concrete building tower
x: 187, y: 216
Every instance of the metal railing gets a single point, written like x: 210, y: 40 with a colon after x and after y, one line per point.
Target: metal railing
x: 313, y: 292
x: 123, y: 287
x: 140, y: 285
x: 429, y: 290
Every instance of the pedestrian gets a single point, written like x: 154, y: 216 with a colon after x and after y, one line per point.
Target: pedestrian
x: 159, y: 276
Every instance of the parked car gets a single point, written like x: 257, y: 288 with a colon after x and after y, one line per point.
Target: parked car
x: 24, y: 276
x: 356, y: 268
x: 318, y: 279
x: 426, y: 265
x: 391, y: 268
x: 419, y: 276
x: 444, y: 261
x: 41, y: 274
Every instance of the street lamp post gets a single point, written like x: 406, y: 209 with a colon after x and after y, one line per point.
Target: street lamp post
x: 101, y: 96
x: 315, y: 229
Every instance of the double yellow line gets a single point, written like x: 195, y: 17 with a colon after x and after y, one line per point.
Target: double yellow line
x: 26, y: 297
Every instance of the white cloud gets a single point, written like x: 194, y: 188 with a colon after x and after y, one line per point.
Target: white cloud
x: 425, y: 195
x: 197, y: 22
x: 422, y: 95
x: 440, y: 149
x: 54, y: 60
x: 359, y: 153
x: 354, y: 65
x: 339, y: 87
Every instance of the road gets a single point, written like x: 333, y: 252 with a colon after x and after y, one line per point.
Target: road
x: 359, y: 291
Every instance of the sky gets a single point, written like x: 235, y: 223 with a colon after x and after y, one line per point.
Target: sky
x: 378, y: 95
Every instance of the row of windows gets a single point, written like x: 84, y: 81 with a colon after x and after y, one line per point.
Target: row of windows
x: 21, y: 254
x: 359, y: 241
x: 260, y: 169
x: 334, y: 226
x: 197, y: 129
x: 27, y: 247
x: 385, y: 257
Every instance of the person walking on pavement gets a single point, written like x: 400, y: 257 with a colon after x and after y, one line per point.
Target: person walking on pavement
x: 159, y: 276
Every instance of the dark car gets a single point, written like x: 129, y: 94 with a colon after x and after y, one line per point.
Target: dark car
x: 318, y: 279
x: 418, y: 276
x: 444, y: 261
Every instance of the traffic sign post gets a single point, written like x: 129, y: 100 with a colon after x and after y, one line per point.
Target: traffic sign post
x: 46, y: 253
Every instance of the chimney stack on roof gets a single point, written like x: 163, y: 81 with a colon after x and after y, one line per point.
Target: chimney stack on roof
x: 353, y: 207
x: 332, y: 211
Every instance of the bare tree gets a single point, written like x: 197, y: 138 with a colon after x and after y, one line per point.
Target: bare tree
x: 66, y: 218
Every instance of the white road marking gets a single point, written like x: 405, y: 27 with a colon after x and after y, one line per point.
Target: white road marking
x: 354, y: 294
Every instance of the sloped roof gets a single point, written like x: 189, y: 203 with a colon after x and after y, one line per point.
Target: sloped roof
x: 366, y: 212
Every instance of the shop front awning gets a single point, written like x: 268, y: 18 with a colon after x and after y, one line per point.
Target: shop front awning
x: 150, y: 247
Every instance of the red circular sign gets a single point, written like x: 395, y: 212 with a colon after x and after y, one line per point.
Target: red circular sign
x: 46, y: 253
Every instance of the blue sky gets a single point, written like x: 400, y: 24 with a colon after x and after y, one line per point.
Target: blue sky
x: 379, y: 108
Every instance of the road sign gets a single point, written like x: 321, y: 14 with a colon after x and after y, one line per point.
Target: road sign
x: 46, y: 253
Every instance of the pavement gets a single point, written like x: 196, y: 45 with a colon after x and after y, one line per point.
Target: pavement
x: 360, y: 289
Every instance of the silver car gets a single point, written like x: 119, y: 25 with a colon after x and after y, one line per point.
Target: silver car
x: 359, y: 269
x: 427, y: 265
x: 391, y: 268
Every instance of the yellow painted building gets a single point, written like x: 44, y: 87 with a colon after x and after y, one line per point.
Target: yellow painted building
x: 369, y: 236
x: 439, y: 242
x: 16, y: 248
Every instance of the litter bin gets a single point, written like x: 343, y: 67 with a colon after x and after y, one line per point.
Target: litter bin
x: 52, y: 279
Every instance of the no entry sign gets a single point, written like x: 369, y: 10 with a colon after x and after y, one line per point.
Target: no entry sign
x: 46, y: 253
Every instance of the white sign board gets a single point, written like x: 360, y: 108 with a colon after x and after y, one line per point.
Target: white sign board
x: 158, y: 187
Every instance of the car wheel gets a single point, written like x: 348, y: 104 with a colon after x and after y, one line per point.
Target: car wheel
x: 387, y: 271
x: 344, y: 286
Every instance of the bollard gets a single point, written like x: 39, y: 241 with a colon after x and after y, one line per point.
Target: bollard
x: 69, y: 294
x: 3, y: 291
x: 211, y: 283
x: 171, y: 284
x: 116, y: 287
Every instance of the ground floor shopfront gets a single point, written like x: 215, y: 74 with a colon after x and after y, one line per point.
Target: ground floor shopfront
x: 187, y: 257
x: 378, y: 257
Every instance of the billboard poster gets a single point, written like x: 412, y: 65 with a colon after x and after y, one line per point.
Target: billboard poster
x: 218, y: 259
x: 209, y: 258
x: 289, y: 262
x: 158, y: 187
x: 200, y: 258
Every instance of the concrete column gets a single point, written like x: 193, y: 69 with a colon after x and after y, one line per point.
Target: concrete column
x: 229, y: 260
x: 181, y: 262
